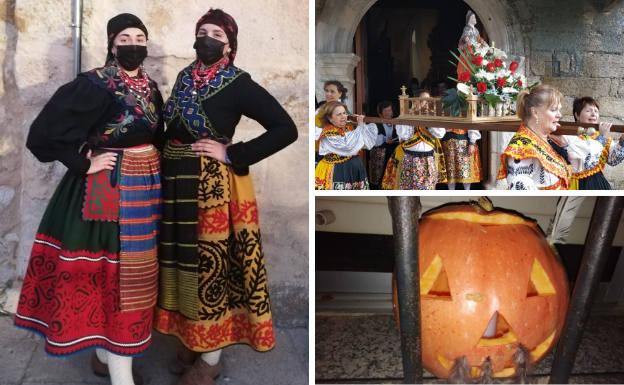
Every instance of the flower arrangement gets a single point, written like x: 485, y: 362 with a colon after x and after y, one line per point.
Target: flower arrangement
x: 487, y: 74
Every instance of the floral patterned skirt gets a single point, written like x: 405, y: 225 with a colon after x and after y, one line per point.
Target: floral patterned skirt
x: 213, y: 282
x: 418, y: 171
x: 86, y: 285
x: 463, y: 163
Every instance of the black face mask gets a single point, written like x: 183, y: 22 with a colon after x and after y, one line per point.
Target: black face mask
x: 209, y: 50
x: 130, y: 57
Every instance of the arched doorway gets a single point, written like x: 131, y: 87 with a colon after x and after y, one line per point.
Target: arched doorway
x: 402, y: 43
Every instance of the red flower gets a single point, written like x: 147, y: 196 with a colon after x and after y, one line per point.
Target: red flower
x: 498, y: 63
x: 513, y: 66
x: 481, y: 87
x: 519, y: 83
x: 501, y: 82
x: 478, y: 60
x: 464, y: 77
x: 490, y: 67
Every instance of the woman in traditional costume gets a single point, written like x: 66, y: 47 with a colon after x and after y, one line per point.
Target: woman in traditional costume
x: 591, y: 150
x: 530, y: 162
x: 340, y: 142
x: 335, y: 91
x: 387, y: 141
x: 461, y: 157
x: 418, y: 162
x: 91, y: 280
x: 213, y: 282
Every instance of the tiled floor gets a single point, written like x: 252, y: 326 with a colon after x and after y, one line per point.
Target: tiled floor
x: 366, y: 349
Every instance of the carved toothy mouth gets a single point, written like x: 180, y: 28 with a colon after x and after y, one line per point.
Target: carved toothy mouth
x: 540, y: 349
x: 475, y: 371
x: 507, y: 372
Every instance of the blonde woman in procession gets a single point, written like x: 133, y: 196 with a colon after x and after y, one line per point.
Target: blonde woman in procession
x: 530, y: 162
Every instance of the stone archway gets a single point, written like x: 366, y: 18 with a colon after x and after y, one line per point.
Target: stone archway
x: 337, y: 21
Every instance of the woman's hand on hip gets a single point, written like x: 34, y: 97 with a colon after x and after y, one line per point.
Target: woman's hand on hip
x: 211, y: 148
x: 105, y: 161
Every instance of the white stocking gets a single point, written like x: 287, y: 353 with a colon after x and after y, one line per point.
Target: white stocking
x: 466, y: 186
x: 451, y: 186
x: 102, y: 355
x: 120, y: 369
x: 212, y: 358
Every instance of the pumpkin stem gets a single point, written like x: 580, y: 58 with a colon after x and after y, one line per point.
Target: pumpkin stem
x: 486, y: 204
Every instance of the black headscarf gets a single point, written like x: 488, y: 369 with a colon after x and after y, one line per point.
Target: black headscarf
x: 118, y: 24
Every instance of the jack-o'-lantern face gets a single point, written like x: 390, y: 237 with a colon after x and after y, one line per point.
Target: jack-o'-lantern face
x: 489, y: 282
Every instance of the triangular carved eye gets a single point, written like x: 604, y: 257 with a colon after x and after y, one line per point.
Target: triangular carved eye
x: 539, y: 283
x: 434, y: 282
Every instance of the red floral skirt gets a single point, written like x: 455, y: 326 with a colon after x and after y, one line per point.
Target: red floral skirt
x: 72, y: 290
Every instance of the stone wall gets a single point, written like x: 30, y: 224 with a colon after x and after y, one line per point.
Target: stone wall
x: 36, y: 58
x: 577, y: 46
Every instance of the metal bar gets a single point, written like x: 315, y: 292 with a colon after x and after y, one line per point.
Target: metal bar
x: 567, y: 128
x: 602, y: 228
x: 615, y: 290
x: 405, y: 211
x: 76, y: 26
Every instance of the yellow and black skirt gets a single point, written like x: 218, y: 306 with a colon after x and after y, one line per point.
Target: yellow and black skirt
x: 335, y: 172
x: 213, y: 282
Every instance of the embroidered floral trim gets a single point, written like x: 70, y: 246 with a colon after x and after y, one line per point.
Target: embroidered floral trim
x: 525, y: 144
x: 602, y: 161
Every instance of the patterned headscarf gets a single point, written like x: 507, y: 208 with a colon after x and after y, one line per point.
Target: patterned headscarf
x: 226, y: 22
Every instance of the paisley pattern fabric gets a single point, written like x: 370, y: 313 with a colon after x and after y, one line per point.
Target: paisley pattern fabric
x: 213, y: 283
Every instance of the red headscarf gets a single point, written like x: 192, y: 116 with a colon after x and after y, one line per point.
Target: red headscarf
x: 226, y: 22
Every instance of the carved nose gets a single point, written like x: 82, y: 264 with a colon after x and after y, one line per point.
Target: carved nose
x: 497, y: 332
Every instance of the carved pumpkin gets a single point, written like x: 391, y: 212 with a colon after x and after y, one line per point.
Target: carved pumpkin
x: 489, y: 281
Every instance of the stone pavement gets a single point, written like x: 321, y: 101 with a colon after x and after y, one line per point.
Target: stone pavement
x: 367, y: 349
x: 23, y: 361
